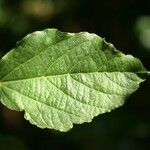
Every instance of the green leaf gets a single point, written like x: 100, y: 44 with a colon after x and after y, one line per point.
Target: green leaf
x: 59, y: 78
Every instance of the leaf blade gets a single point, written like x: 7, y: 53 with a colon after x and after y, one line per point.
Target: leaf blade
x: 71, y: 79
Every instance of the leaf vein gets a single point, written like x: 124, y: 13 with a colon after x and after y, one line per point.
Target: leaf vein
x: 71, y: 96
x: 42, y: 102
x: 113, y: 94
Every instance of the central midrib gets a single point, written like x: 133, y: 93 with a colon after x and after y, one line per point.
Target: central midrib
x: 59, y: 75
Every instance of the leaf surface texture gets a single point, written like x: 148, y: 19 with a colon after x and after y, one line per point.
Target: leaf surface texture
x: 60, y: 78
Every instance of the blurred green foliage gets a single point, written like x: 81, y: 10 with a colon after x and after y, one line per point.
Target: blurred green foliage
x: 124, y: 23
x: 143, y: 30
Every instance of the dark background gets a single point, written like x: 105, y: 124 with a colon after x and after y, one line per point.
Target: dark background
x: 126, y: 24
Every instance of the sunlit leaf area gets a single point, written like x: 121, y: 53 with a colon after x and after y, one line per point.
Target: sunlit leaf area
x: 126, y: 24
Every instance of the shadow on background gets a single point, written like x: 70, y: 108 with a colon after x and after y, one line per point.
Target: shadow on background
x: 124, y: 23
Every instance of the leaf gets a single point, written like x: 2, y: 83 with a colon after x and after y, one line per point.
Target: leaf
x: 60, y: 78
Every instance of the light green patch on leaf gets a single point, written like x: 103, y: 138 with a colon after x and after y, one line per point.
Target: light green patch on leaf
x: 60, y: 78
